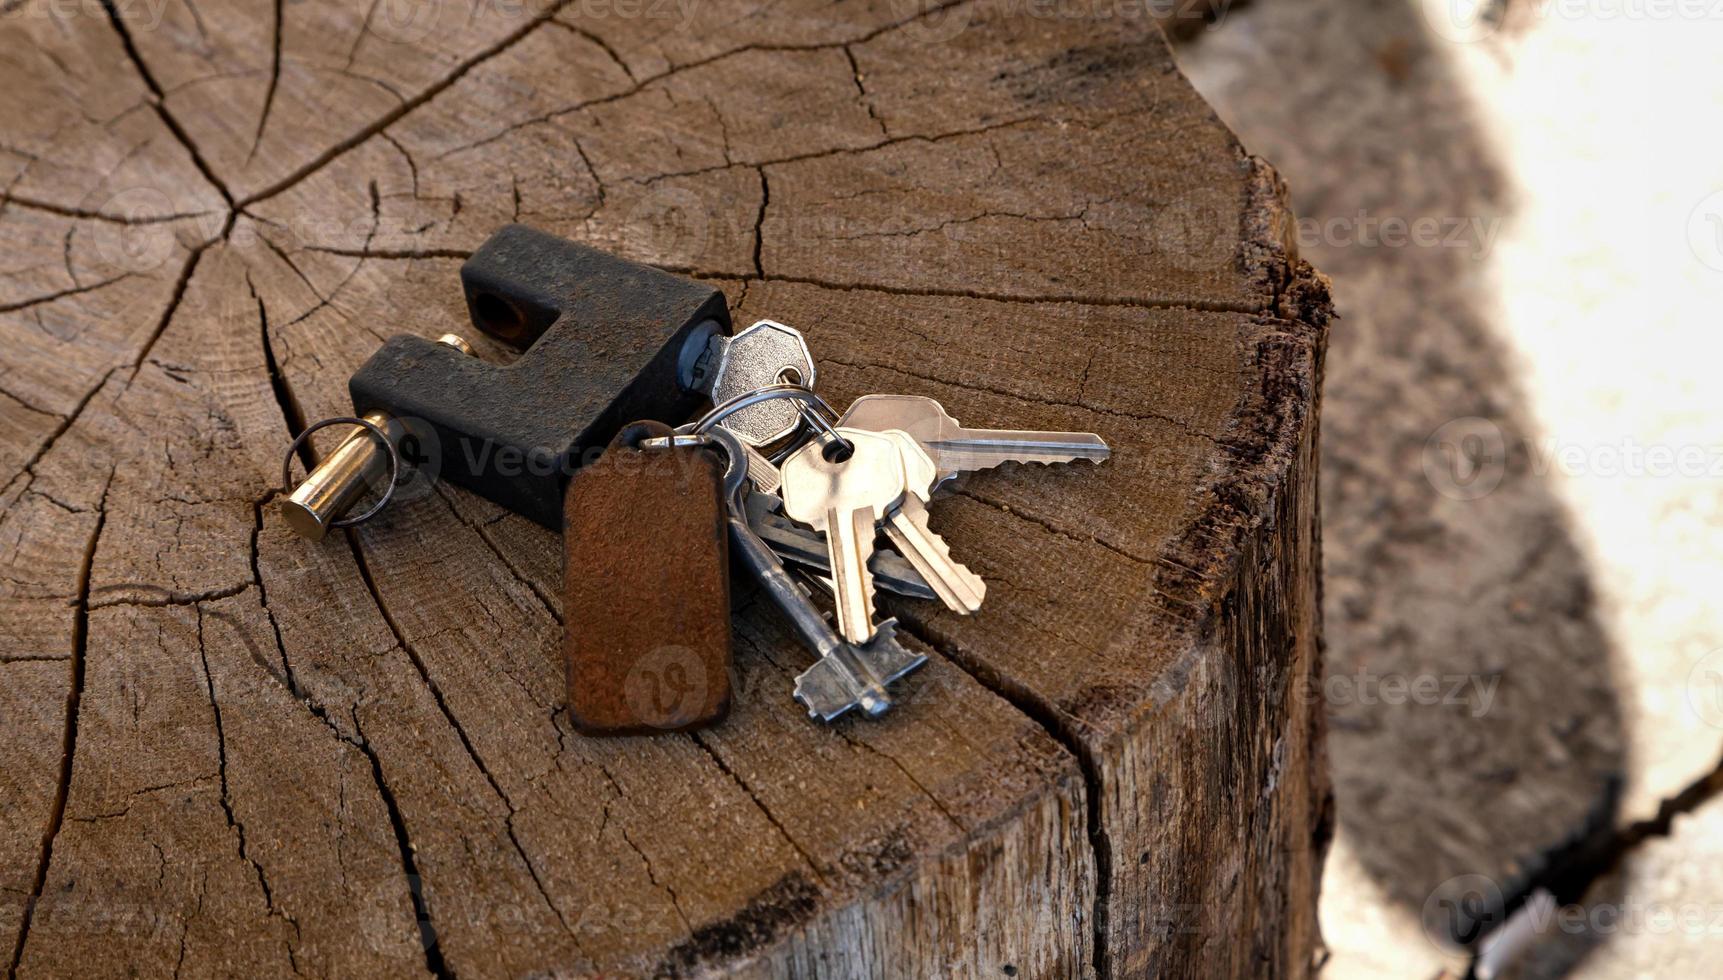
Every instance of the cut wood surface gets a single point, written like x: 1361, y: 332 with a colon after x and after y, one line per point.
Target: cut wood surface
x: 229, y: 751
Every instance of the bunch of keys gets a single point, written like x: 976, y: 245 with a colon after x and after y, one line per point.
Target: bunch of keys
x: 869, y: 472
x: 846, y: 484
x: 770, y: 476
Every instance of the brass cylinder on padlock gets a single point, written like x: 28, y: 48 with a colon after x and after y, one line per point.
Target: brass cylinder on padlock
x: 336, y: 484
x: 360, y: 462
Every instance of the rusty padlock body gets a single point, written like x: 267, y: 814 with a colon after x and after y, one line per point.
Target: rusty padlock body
x: 646, y: 586
x: 606, y: 341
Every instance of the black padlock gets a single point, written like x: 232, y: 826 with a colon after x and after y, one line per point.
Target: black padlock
x: 605, y: 341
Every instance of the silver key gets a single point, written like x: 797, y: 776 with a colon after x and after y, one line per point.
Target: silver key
x: 845, y: 676
x: 801, y: 546
x: 750, y: 360
x: 959, y: 588
x: 955, y: 449
x: 846, y: 499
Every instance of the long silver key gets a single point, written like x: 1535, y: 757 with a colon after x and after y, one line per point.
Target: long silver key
x: 906, y: 525
x: 750, y: 360
x: 846, y: 498
x: 845, y: 676
x: 800, y: 546
x: 955, y: 449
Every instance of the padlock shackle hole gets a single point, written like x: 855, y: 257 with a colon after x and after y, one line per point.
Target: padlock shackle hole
x: 499, y: 318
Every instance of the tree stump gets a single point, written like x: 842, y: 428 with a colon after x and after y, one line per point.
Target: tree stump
x: 230, y: 751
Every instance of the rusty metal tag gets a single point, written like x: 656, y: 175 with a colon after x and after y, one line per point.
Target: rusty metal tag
x: 646, y: 578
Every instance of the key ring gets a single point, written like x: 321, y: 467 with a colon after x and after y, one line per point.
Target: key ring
x: 815, y: 413
x: 750, y: 398
x: 677, y: 440
x: 376, y: 430
x: 801, y: 393
x: 818, y: 415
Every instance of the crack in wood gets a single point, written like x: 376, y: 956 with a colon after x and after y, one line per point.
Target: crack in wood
x: 459, y: 730
x: 26, y: 406
x: 724, y: 767
x: 1062, y: 728
x: 146, y: 791
x: 760, y: 222
x: 49, y: 207
x: 838, y: 151
x: 174, y: 299
x: 159, y: 103
x: 861, y: 89
x: 274, y: 82
x: 434, y: 961
x: 289, y: 408
x: 389, y: 118
x: 163, y: 597
x: 600, y: 42
x: 1180, y: 424
x: 872, y: 749
x: 543, y: 600
x: 66, y: 423
x: 25, y: 304
x: 674, y: 70
x: 233, y: 821
x: 652, y: 876
x: 391, y: 253
x: 69, y: 738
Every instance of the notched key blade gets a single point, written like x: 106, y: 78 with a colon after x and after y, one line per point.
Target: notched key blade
x: 960, y: 589
x: 955, y: 449
x: 970, y: 453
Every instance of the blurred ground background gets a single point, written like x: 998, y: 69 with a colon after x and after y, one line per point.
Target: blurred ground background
x: 1521, y: 207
